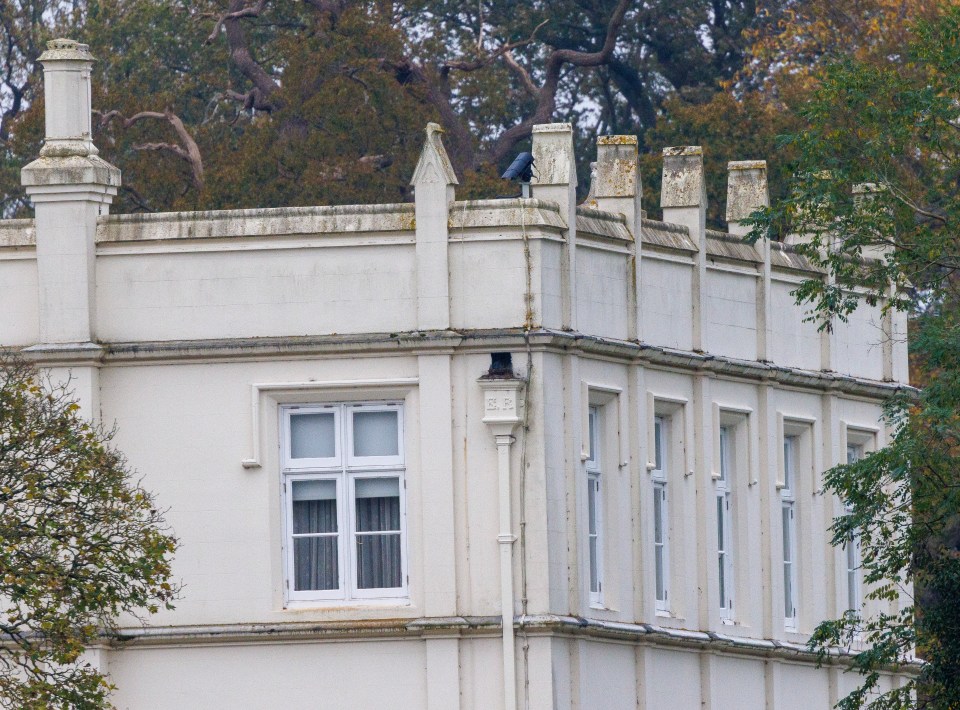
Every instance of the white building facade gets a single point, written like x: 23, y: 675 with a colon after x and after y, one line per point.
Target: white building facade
x: 382, y: 431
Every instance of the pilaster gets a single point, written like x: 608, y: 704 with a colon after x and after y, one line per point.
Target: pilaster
x: 747, y: 192
x: 555, y: 179
x: 616, y: 188
x: 683, y: 198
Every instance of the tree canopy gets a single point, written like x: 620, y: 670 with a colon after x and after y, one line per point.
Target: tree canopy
x: 223, y: 103
x: 892, y: 129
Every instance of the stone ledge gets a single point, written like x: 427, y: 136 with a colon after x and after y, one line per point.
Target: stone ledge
x: 466, y: 627
x: 268, y: 222
x: 449, y: 341
x: 517, y: 212
x: 17, y: 233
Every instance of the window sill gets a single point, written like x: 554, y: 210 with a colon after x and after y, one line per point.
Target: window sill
x: 601, y: 607
x: 346, y: 604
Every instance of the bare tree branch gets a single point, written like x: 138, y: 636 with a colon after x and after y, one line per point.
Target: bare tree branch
x: 261, y: 97
x: 250, y: 11
x: 188, y: 151
x: 439, y: 95
x: 525, y: 79
x: 484, y: 60
x: 547, y: 95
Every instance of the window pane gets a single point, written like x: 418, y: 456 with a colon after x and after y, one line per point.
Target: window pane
x: 378, y: 532
x: 658, y: 443
x: 724, y: 452
x: 377, y: 504
x: 787, y: 591
x: 594, y: 566
x: 658, y: 514
x: 720, y: 538
x: 315, y: 563
x: 853, y: 603
x: 787, y: 542
x: 721, y: 553
x: 375, y: 434
x: 854, y: 453
x: 592, y: 506
x: 378, y: 561
x: 660, y: 581
x: 314, y: 507
x: 312, y: 436
x: 788, y: 603
x: 788, y: 463
x: 592, y: 427
x: 723, y: 585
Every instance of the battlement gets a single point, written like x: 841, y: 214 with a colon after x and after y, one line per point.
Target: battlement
x: 601, y: 269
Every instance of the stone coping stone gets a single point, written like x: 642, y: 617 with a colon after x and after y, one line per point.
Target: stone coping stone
x: 17, y: 233
x: 506, y: 212
x: 728, y: 246
x: 269, y: 222
x: 667, y: 235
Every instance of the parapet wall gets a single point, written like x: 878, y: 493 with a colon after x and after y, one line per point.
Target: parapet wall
x: 509, y: 264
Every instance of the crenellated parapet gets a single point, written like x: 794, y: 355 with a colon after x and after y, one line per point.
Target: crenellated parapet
x: 601, y: 269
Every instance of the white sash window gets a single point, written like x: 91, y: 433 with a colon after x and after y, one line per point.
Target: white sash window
x: 343, y: 498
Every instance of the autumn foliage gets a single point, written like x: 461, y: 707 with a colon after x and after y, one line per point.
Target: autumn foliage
x: 80, y: 543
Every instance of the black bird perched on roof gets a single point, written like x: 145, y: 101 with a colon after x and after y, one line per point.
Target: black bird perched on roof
x: 521, y: 169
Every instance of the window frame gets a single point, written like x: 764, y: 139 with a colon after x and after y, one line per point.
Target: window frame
x: 291, y: 593
x: 371, y: 462
x: 346, y: 470
x: 788, y: 506
x: 287, y: 462
x: 593, y: 467
x: 660, y: 477
x: 726, y: 579
x: 852, y: 555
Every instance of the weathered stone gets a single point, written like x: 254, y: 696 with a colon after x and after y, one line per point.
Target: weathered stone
x: 746, y: 192
x: 683, y: 182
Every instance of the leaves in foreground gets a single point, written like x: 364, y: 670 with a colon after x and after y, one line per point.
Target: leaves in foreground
x: 80, y: 543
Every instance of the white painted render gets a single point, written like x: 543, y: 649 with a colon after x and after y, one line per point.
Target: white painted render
x: 190, y: 331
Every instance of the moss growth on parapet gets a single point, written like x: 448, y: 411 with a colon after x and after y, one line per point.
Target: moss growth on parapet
x: 617, y: 140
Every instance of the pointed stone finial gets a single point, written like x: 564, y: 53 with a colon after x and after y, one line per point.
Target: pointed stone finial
x: 746, y: 192
x: 683, y: 197
x: 864, y: 195
x: 866, y: 190
x: 434, y: 165
x: 433, y: 182
x: 71, y: 187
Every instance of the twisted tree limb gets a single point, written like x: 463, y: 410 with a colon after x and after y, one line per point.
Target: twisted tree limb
x: 438, y: 91
x: 187, y: 151
x: 547, y: 95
